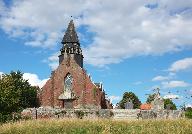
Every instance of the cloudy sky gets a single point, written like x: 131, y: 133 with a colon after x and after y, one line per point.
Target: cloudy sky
x: 128, y: 45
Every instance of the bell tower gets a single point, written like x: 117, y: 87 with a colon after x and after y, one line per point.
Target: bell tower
x: 71, y: 46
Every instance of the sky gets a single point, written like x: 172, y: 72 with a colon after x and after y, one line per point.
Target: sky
x: 129, y: 46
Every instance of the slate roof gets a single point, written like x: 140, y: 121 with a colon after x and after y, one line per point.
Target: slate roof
x: 70, y: 34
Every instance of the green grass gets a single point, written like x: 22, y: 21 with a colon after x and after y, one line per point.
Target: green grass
x: 74, y: 126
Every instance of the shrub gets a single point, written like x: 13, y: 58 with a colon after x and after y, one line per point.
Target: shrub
x: 10, y: 117
x: 60, y: 112
x: 5, y: 117
x: 26, y: 117
x: 79, y: 114
x: 16, y: 116
x: 188, y: 113
x: 97, y: 113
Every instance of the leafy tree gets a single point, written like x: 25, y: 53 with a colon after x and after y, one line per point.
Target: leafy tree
x: 131, y: 96
x: 16, y: 93
x: 150, y: 98
x: 169, y: 102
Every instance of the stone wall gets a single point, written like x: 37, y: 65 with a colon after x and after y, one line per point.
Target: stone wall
x: 125, y: 114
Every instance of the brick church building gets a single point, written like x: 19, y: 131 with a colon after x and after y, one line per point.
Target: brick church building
x: 69, y: 86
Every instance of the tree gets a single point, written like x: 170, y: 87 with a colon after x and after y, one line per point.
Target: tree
x: 131, y: 96
x: 169, y: 102
x: 150, y: 98
x: 16, y: 93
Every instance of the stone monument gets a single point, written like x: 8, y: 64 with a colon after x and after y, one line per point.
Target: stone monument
x: 158, y: 103
x: 168, y: 107
x: 129, y: 104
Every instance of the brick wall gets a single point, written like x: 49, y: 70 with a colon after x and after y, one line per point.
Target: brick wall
x: 87, y: 93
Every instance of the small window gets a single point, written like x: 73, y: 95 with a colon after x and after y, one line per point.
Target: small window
x: 68, y: 83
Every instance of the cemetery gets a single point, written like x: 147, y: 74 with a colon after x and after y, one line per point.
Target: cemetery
x: 157, y: 111
x: 95, y: 67
x: 77, y: 96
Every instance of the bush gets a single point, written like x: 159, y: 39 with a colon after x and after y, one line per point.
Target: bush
x: 79, y: 114
x: 26, y: 117
x: 61, y: 112
x: 16, y: 116
x: 10, y: 117
x: 188, y: 113
x: 5, y: 117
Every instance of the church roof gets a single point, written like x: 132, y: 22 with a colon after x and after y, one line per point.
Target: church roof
x: 145, y: 106
x: 70, y: 34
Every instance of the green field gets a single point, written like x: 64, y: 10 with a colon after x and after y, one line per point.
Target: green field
x: 75, y: 126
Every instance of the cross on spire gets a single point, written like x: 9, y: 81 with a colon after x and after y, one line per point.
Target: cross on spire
x: 157, y: 90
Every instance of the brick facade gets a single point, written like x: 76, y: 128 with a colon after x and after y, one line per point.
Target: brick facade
x: 87, y: 94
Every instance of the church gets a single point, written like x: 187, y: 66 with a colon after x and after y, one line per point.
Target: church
x: 69, y: 86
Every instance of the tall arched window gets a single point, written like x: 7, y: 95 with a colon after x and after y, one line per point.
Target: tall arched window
x: 68, y: 85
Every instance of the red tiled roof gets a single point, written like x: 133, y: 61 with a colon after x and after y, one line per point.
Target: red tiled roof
x: 145, y: 106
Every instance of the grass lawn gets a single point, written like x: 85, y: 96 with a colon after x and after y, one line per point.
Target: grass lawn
x: 77, y: 126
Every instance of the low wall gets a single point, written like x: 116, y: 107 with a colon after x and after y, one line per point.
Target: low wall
x: 161, y: 114
x: 126, y: 114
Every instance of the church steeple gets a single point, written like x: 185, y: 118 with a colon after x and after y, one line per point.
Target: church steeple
x: 71, y: 46
x: 70, y: 34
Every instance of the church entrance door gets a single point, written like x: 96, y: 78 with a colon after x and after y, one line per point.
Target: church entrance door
x: 68, y: 104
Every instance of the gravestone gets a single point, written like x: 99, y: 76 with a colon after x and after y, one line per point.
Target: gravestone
x: 168, y: 107
x: 129, y: 104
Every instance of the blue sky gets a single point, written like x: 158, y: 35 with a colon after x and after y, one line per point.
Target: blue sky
x: 128, y: 46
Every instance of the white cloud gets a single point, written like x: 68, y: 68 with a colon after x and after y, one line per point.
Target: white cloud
x: 171, y: 74
x: 114, y: 98
x: 137, y: 83
x: 160, y: 78
x: 171, y: 96
x: 174, y: 84
x: 182, y: 64
x: 122, y: 28
x: 2, y: 8
x: 53, y: 61
x: 189, y: 105
x: 34, y: 80
x: 1, y: 74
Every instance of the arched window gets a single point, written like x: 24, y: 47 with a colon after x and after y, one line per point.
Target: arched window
x: 68, y: 83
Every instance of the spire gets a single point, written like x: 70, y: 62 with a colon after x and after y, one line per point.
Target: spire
x: 70, y: 34
x: 71, y: 46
